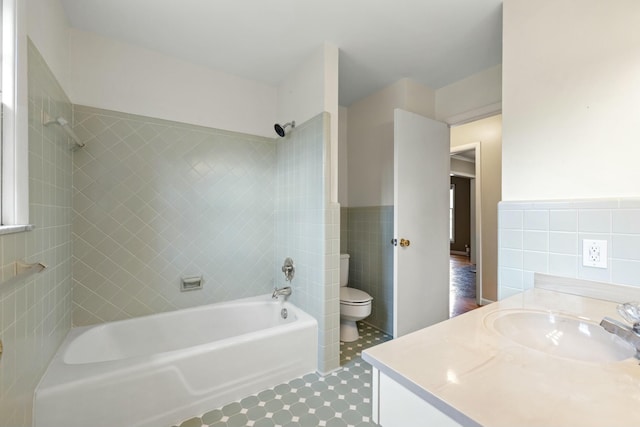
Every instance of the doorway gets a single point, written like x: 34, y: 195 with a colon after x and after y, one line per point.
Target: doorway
x: 462, y: 285
x: 465, y: 278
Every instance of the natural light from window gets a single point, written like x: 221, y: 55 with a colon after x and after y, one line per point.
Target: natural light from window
x: 15, y: 150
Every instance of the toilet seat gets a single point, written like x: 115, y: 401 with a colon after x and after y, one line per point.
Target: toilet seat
x: 352, y: 296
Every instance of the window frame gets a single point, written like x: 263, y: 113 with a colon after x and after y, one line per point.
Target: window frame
x: 14, y: 209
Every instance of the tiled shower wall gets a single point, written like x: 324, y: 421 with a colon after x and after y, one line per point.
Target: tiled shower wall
x: 307, y: 230
x: 36, y: 311
x: 156, y: 200
x: 546, y: 237
x: 366, y: 237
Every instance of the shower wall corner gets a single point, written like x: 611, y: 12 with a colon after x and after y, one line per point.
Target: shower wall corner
x: 308, y: 230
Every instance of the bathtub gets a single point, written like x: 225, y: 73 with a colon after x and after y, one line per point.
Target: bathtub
x: 160, y: 369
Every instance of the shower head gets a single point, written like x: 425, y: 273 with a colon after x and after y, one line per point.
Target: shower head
x: 280, y: 130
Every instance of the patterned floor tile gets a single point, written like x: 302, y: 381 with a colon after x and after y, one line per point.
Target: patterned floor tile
x: 341, y: 399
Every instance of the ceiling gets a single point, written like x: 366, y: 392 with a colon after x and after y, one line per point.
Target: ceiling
x: 435, y: 42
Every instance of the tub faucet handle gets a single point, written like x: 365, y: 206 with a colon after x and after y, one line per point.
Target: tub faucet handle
x: 288, y: 269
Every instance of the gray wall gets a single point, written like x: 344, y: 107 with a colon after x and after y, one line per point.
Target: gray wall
x: 156, y: 200
x: 367, y: 238
x: 307, y: 231
x: 36, y: 311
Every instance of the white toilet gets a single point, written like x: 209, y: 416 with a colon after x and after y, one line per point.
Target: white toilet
x: 354, y: 304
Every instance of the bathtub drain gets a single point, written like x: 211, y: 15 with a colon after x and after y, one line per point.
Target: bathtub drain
x: 284, y: 313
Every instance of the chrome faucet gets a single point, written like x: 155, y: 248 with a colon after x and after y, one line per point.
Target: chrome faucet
x: 630, y: 311
x: 286, y: 291
x: 288, y: 269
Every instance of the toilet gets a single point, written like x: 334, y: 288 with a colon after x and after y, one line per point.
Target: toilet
x: 354, y: 304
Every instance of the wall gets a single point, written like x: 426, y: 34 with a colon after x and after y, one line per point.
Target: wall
x: 546, y: 237
x: 474, y: 97
x: 463, y: 168
x: 571, y: 89
x: 49, y: 31
x: 157, y: 200
x: 116, y: 76
x: 569, y: 111
x: 310, y: 90
x: 370, y: 136
x: 343, y: 158
x: 121, y: 77
x: 307, y: 230
x: 462, y: 215
x: 489, y: 133
x: 368, y: 216
x: 36, y: 311
x: 366, y: 238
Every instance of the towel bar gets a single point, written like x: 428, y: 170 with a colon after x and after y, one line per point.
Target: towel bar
x: 22, y: 269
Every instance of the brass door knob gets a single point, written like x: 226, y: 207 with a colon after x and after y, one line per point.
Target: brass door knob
x: 404, y: 242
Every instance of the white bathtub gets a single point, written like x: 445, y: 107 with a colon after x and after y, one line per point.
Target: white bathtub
x: 160, y: 369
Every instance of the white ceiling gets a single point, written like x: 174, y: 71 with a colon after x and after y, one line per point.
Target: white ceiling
x: 435, y: 42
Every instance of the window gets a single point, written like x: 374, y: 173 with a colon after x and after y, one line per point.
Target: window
x: 15, y: 150
x: 452, y: 196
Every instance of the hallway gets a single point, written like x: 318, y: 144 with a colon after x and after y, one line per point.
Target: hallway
x: 462, y: 285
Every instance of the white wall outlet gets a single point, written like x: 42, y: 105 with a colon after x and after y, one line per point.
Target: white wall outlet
x: 594, y: 253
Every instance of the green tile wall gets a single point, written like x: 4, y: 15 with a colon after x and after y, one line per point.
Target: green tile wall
x: 307, y: 231
x: 366, y: 233
x: 35, y: 313
x: 156, y: 200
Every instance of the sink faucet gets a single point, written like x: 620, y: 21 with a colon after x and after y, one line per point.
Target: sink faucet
x: 286, y: 291
x: 631, y: 334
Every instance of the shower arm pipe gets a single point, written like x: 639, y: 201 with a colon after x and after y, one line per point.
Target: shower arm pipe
x: 64, y: 124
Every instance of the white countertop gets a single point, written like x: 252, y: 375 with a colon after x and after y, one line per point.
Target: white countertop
x: 479, y: 377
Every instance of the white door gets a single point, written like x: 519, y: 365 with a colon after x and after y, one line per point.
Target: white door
x: 421, y: 216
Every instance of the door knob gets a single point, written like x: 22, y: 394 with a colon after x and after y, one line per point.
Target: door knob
x: 404, y: 242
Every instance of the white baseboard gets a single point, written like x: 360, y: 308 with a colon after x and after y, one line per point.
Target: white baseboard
x: 458, y: 253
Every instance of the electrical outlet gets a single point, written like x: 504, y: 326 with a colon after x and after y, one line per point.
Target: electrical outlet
x: 594, y: 253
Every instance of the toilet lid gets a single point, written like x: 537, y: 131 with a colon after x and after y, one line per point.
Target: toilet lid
x: 353, y: 295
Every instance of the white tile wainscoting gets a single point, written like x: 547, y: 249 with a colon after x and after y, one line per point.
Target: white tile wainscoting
x: 547, y: 236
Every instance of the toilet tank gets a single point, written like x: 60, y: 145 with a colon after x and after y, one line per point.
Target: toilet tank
x: 344, y: 269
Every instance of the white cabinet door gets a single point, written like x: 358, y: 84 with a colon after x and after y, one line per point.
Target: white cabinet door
x: 398, y: 407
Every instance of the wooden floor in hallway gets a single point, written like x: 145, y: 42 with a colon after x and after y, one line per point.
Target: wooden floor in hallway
x: 462, y: 285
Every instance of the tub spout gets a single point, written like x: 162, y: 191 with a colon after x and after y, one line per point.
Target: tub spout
x: 286, y: 291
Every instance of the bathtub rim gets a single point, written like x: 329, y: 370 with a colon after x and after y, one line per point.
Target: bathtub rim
x: 77, y: 332
x: 67, y: 374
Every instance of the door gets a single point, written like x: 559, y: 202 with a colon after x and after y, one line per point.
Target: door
x: 421, y: 217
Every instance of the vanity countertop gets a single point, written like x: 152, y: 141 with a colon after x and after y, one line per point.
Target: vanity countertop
x: 475, y: 375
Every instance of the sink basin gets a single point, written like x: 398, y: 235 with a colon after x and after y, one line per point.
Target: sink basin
x: 560, y: 335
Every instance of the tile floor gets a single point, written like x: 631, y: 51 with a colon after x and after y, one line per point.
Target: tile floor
x: 342, y: 398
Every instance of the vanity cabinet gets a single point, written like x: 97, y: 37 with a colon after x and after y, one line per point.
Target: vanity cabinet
x: 396, y: 406
x: 472, y: 371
